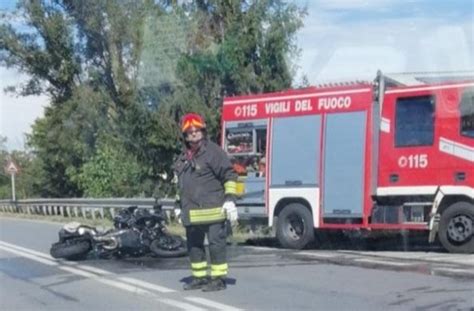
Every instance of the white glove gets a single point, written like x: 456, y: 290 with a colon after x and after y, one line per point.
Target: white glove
x: 177, y: 213
x: 231, y: 211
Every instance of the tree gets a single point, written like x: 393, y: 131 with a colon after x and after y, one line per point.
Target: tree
x: 45, y: 53
x: 66, y: 138
x: 126, y: 71
x: 26, y: 178
x: 234, y: 48
x: 111, y: 172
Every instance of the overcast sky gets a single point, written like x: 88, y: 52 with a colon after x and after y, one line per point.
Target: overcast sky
x: 341, y: 39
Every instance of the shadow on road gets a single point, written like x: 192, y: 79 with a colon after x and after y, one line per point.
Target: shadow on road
x: 332, y: 240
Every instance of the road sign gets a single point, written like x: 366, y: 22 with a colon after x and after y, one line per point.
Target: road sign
x: 11, y: 168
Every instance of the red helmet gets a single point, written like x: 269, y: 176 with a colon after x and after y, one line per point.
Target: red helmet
x: 192, y: 119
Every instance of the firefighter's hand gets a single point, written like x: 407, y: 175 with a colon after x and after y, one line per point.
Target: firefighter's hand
x: 230, y: 210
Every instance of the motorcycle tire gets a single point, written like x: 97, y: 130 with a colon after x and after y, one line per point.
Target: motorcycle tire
x: 165, y: 252
x: 70, y: 250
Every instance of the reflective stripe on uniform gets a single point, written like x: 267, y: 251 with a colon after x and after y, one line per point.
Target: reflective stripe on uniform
x: 199, y: 269
x: 199, y: 274
x: 203, y: 215
x: 199, y: 265
x: 230, y: 187
x: 219, y: 270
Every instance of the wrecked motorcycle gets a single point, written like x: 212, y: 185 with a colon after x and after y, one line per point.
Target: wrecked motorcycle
x: 137, y: 232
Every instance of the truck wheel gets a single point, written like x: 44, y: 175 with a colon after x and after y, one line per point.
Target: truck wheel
x: 295, y: 227
x: 456, y: 228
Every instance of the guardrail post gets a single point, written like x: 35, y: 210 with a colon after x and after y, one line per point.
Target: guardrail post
x: 93, y: 210
x: 68, y: 211
x: 50, y: 210
x: 112, y: 212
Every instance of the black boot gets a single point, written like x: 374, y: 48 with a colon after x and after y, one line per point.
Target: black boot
x: 196, y: 283
x: 214, y: 285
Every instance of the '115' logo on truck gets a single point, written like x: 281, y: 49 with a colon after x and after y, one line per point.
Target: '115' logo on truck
x: 413, y: 161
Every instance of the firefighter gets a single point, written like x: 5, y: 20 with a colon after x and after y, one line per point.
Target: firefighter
x: 207, y: 189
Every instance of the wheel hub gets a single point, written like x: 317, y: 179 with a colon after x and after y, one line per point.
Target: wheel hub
x: 460, y: 228
x: 295, y: 227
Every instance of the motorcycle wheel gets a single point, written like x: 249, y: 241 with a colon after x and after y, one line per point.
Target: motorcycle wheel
x: 169, y: 246
x: 70, y: 250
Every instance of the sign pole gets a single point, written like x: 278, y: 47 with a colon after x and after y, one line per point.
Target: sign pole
x: 13, y: 187
x: 12, y: 169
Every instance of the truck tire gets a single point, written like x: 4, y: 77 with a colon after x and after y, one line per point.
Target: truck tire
x: 295, y: 227
x: 456, y: 228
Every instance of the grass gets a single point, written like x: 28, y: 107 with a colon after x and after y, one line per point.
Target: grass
x: 241, y: 234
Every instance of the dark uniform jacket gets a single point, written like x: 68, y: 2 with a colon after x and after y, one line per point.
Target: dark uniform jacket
x: 204, y: 182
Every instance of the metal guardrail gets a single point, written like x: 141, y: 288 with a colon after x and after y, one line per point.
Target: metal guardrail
x: 85, y: 208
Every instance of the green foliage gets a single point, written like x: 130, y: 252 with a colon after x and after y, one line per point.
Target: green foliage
x: 26, y: 181
x: 120, y: 74
x: 66, y: 137
x: 46, y: 55
x: 111, y: 172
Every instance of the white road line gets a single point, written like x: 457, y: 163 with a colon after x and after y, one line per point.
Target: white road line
x: 89, y: 268
x: 147, y: 285
x: 466, y: 260
x: 380, y: 262
x: 133, y: 289
x: 127, y: 287
x: 29, y: 256
x: 460, y: 271
x: 124, y: 283
x: 212, y: 304
x: 92, y: 269
x: 79, y: 272
x: 27, y: 250
x: 182, y: 305
x: 116, y: 284
x: 46, y: 256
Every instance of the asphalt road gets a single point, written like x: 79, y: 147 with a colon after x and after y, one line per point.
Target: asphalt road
x: 261, y: 278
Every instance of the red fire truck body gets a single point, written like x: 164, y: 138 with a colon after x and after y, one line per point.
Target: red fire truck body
x: 359, y: 156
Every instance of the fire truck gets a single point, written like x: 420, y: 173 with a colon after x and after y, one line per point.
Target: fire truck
x: 393, y: 154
